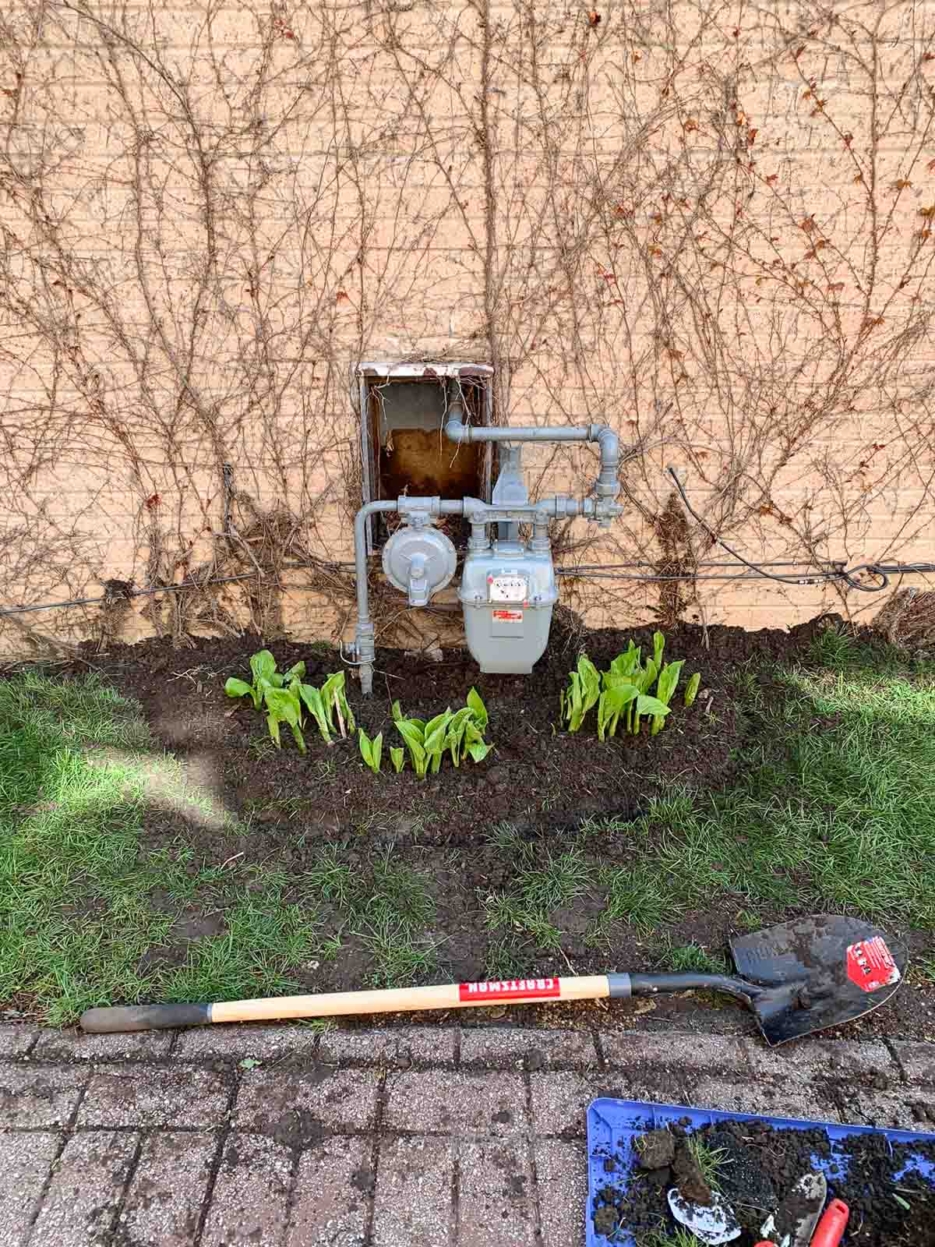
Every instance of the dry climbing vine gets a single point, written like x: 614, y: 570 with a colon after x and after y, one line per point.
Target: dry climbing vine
x: 708, y: 224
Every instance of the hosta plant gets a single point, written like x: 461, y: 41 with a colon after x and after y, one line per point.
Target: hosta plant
x: 265, y: 676
x: 624, y: 693
x: 284, y: 696
x: 458, y: 732
x: 584, y: 689
x: 327, y: 704
x: 691, y: 689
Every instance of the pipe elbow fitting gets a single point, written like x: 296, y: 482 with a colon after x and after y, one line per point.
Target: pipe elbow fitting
x: 608, y: 441
x: 457, y: 431
x: 608, y: 485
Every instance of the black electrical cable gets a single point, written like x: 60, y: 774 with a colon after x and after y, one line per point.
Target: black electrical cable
x: 848, y: 576
x: 588, y: 571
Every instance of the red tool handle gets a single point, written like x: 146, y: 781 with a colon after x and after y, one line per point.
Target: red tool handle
x: 832, y: 1225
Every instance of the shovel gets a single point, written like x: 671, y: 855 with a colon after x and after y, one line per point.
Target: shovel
x: 799, y: 977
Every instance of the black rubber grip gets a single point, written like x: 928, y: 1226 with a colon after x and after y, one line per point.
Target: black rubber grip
x: 656, y: 984
x: 144, y: 1018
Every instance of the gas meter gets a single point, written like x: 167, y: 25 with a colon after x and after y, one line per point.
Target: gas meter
x: 508, y: 591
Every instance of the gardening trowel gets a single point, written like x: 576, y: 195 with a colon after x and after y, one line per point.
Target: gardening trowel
x: 710, y: 1223
x: 793, y: 1223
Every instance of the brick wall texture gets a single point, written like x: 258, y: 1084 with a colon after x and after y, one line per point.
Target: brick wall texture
x: 709, y: 225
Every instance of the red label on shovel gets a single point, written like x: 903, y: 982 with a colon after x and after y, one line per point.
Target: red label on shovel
x: 510, y: 989
x: 870, y: 965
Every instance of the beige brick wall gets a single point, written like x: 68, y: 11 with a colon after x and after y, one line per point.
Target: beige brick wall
x: 708, y: 225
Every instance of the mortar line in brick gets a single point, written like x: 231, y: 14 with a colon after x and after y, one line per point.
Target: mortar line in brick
x: 843, y: 1109
x: 454, y: 1207
x: 891, y: 1049
x: 131, y: 1174
x: 534, y: 1203
x: 291, y: 1193
x: 67, y: 1133
x: 599, y: 1049
x: 27, y: 1052
x: 120, y: 1129
x: 378, y: 1116
x: 223, y: 1134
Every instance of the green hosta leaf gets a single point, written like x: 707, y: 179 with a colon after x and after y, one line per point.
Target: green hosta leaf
x: 435, y: 738
x: 628, y: 662
x: 668, y: 680
x: 335, y: 703
x: 665, y: 690
x: 263, y: 666
x: 479, y: 750
x: 659, y: 644
x: 457, y: 728
x: 273, y: 724
x: 439, y: 723
x: 611, y: 702
x: 590, y: 681
x: 294, y: 673
x: 475, y: 703
x: 420, y: 759
x: 651, y: 705
x: 313, y: 699
x: 398, y: 758
x: 410, y: 732
x: 613, y: 679
x: 371, y: 750
x: 691, y: 689
x: 238, y: 688
x: 284, y: 704
x: 584, y: 688
x: 644, y: 681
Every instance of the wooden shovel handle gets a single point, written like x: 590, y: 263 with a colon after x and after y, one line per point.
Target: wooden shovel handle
x: 345, y: 1004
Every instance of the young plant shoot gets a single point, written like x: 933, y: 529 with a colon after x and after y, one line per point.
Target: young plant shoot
x: 458, y: 732
x: 371, y: 750
x: 283, y: 695
x: 623, y: 692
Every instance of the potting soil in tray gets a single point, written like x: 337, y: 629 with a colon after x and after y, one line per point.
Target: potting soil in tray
x: 887, y: 1177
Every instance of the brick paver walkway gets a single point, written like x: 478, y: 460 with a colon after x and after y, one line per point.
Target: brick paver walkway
x: 401, y: 1137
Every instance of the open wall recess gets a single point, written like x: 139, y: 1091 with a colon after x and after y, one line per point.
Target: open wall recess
x: 404, y: 448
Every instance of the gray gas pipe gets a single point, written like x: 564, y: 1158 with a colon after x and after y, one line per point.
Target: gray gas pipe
x: 508, y: 587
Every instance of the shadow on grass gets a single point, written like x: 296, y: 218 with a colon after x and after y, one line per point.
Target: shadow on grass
x: 88, y: 913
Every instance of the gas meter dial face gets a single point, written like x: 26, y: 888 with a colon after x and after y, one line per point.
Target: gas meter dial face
x: 508, y: 588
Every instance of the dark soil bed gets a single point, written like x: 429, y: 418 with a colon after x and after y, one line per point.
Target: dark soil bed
x: 538, y: 778
x: 542, y: 781
x: 757, y: 1167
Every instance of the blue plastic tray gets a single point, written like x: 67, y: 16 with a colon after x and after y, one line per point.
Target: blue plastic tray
x: 614, y: 1124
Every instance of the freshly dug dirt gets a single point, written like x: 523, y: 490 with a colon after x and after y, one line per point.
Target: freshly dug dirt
x: 538, y: 776
x: 542, y: 781
x: 759, y: 1165
x: 688, y: 1178
x: 656, y: 1149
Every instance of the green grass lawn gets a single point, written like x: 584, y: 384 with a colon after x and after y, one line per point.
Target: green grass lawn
x: 834, y: 808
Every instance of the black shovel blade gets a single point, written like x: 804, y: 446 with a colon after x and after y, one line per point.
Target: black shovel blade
x: 819, y: 971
